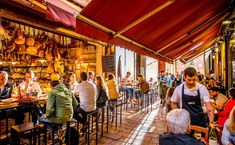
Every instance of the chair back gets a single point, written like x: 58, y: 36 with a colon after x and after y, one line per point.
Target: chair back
x: 203, y: 130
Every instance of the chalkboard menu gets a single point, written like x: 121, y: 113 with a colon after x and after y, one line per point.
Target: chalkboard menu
x: 108, y: 63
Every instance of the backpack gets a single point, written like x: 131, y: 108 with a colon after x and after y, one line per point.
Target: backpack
x: 102, y: 98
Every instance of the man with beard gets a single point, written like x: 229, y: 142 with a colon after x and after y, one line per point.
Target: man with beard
x: 191, y: 96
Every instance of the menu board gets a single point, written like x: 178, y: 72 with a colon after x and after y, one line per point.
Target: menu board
x: 108, y: 63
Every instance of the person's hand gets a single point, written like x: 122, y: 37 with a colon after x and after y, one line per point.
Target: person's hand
x: 212, y: 125
x: 44, y: 116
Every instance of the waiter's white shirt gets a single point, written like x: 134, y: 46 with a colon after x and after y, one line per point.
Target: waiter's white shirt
x: 177, y: 95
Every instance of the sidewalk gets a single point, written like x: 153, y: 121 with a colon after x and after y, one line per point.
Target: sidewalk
x: 137, y: 128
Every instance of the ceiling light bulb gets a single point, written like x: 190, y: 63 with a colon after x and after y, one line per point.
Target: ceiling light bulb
x: 226, y: 22
x: 216, y: 49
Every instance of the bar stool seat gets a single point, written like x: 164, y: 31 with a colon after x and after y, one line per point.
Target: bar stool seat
x: 56, y: 127
x: 19, y: 131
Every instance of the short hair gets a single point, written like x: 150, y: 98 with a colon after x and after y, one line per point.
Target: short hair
x: 140, y: 75
x: 215, y: 89
x: 5, y: 74
x: 83, y: 76
x: 128, y: 73
x: 178, y: 121
x: 190, y: 71
x: 90, y: 73
x: 111, y: 76
x: 232, y: 92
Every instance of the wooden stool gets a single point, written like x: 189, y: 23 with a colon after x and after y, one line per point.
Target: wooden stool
x: 54, y: 127
x: 18, y: 130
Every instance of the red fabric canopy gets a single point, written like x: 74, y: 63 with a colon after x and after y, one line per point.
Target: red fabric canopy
x: 191, y: 20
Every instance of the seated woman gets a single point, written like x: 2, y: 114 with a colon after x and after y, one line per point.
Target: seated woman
x: 178, y: 121
x: 224, y: 114
x: 101, y: 91
x: 112, y: 86
x: 228, y: 135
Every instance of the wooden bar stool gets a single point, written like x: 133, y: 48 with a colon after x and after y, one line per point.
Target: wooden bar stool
x: 31, y: 129
x: 54, y: 127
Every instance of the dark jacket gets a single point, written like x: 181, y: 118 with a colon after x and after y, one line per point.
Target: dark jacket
x: 179, y: 139
x: 6, y: 92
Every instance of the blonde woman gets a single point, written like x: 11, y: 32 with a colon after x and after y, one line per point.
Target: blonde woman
x: 112, y: 85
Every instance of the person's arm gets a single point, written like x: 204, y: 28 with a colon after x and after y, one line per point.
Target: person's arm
x: 173, y: 105
x: 50, y: 108
x: 226, y: 110
x: 175, y: 98
x: 225, y: 135
x: 210, y: 111
x: 74, y: 101
x: 206, y: 99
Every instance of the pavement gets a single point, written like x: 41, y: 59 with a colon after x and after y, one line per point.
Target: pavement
x: 137, y: 128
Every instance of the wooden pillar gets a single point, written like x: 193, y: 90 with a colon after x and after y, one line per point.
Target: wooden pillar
x: 228, y: 58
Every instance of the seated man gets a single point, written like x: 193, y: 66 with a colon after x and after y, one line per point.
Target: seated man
x: 220, y: 99
x: 87, y: 95
x: 178, y: 121
x: 126, y: 86
x: 5, y: 93
x: 28, y: 86
x: 143, y: 88
x: 60, y: 103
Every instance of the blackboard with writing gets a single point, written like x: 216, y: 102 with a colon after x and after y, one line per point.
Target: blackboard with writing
x: 108, y: 63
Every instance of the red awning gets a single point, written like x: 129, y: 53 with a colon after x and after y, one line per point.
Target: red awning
x: 162, y: 29
x: 166, y: 35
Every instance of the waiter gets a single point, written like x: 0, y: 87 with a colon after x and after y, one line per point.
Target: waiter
x: 191, y: 96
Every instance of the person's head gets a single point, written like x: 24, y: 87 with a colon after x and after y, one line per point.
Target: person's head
x: 111, y: 76
x: 214, y: 91
x: 69, y: 78
x: 162, y: 73
x: 83, y: 76
x: 91, y: 75
x: 128, y: 74
x: 99, y: 81
x: 190, y: 76
x: 178, y: 121
x: 55, y: 79
x: 231, y: 125
x: 208, y: 76
x: 140, y: 77
x: 200, y: 78
x: 231, y: 93
x: 29, y: 76
x: 3, y: 78
x: 211, y: 82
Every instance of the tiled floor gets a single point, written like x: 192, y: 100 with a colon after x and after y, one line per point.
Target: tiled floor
x: 137, y: 128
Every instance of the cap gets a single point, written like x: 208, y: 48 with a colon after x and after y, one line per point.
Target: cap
x: 55, y: 77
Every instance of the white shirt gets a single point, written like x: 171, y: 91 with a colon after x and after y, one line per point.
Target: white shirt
x: 177, y: 95
x: 87, y: 94
x: 34, y: 87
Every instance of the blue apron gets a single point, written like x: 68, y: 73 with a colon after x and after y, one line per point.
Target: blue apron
x: 193, y: 105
